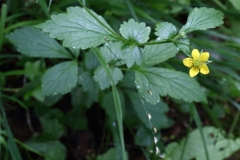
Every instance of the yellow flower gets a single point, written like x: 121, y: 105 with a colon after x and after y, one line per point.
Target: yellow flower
x: 197, y: 63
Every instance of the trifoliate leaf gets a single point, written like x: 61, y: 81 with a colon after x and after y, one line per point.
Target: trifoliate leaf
x: 90, y: 61
x: 32, y: 42
x: 113, y: 53
x: 165, y: 31
x: 135, y: 32
x: 132, y: 54
x: 101, y: 77
x: 183, y: 47
x: 87, y: 81
x: 218, y: 146
x: 61, y: 78
x: 77, y: 28
x: 152, y: 82
x: 202, y: 19
x: 158, y: 119
x: 154, y: 54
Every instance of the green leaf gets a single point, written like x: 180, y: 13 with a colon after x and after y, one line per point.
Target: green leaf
x: 101, y: 77
x: 75, y: 120
x: 135, y: 32
x: 52, y: 127
x: 219, y: 146
x: 144, y: 137
x: 82, y: 99
x: 132, y: 54
x: 108, y: 104
x: 52, y: 150
x: 182, y: 47
x: 154, y: 54
x: 165, y: 30
x: 61, y: 78
x: 202, y: 19
x: 90, y: 61
x: 87, y: 82
x: 78, y: 28
x: 33, y: 69
x: 158, y: 119
x: 152, y: 82
x: 32, y: 42
x: 113, y: 53
x: 110, y: 154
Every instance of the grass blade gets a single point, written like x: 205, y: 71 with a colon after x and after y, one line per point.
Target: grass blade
x: 11, y: 144
x: 2, y: 22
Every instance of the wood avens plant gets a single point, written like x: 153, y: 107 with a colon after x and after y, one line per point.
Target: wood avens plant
x: 111, y: 58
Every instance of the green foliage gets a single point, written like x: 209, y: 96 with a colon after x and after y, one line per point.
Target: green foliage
x: 34, y: 43
x: 130, y: 78
x: 202, y: 19
x: 165, y: 30
x: 78, y: 28
x: 101, y: 77
x: 135, y: 32
x: 152, y: 82
x: 61, y: 78
x: 218, y: 145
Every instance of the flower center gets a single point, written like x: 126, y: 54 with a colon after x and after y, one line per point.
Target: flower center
x: 197, y: 63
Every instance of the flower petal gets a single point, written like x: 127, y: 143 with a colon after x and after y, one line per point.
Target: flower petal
x: 204, y: 56
x: 193, y: 71
x: 188, y: 62
x: 204, y: 69
x: 195, y: 54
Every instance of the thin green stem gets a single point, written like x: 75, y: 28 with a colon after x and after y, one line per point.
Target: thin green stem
x: 186, y: 139
x: 2, y: 23
x: 233, y: 126
x: 116, y: 97
x: 199, y: 125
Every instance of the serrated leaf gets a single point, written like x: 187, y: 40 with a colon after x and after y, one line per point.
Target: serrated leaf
x: 182, y: 47
x: 131, y: 55
x: 165, y: 30
x: 113, y: 53
x: 77, y: 28
x: 158, y: 119
x: 202, y: 19
x: 216, y: 144
x: 101, y: 77
x: 135, y: 32
x: 154, y: 54
x: 32, y: 42
x: 87, y: 82
x: 152, y: 82
x: 61, y: 78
